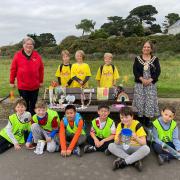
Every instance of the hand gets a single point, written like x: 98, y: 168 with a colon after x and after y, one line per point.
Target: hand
x: 12, y: 85
x: 81, y: 82
x: 17, y: 147
x: 68, y: 152
x: 48, y: 139
x: 101, y: 142
x: 27, y: 145
x: 97, y: 143
x: 41, y: 84
x: 63, y: 153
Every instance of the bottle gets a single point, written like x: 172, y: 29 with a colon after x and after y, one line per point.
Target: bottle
x: 126, y: 135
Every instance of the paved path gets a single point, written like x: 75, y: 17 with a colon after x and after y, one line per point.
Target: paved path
x: 25, y: 165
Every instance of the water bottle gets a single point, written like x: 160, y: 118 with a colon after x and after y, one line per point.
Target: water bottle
x: 126, y: 138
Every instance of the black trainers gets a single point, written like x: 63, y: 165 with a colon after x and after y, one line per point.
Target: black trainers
x: 162, y: 158
x: 77, y: 151
x: 89, y: 148
x: 138, y: 165
x: 107, y: 152
x: 119, y: 163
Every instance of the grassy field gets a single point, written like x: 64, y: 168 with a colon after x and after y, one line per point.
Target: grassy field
x: 168, y: 85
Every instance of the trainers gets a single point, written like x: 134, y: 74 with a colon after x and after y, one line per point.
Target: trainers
x: 162, y: 158
x: 138, y: 165
x: 89, y: 149
x: 77, y: 151
x: 107, y: 152
x: 119, y: 163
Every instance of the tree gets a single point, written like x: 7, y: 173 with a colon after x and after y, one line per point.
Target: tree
x: 86, y: 25
x: 155, y: 28
x: 99, y: 33
x: 145, y: 13
x: 43, y: 40
x: 133, y: 27
x: 114, y: 26
x: 171, y: 18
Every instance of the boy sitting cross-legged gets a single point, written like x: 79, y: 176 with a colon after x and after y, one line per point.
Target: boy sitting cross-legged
x: 136, y: 149
x: 102, y: 131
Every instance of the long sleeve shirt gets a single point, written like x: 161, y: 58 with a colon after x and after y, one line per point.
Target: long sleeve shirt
x: 166, y: 126
x: 62, y: 135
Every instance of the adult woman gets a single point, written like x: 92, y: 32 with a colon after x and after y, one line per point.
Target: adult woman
x: 146, y: 71
x: 28, y: 68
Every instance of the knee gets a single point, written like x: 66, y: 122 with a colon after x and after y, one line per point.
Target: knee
x: 34, y: 127
x: 51, y: 147
x: 146, y: 149
x: 111, y: 147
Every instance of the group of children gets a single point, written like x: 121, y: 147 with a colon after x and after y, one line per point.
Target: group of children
x: 78, y: 74
x: 69, y: 136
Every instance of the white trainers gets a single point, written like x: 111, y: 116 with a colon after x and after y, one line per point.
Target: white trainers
x: 40, y: 147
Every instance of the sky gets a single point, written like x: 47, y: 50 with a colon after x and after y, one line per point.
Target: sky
x: 21, y: 17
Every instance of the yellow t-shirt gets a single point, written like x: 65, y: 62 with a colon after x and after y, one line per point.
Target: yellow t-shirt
x: 80, y: 71
x: 107, y: 76
x: 140, y: 132
x: 65, y: 74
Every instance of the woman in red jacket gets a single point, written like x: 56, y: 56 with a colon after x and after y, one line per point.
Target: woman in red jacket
x: 27, y: 67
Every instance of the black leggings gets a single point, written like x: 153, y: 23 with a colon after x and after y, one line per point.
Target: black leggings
x: 30, y: 97
x: 102, y: 148
x: 4, y: 145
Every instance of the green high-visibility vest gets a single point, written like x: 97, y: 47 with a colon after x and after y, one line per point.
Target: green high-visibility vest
x: 106, y: 131
x: 165, y: 135
x: 72, y: 130
x: 18, y: 129
x: 50, y: 115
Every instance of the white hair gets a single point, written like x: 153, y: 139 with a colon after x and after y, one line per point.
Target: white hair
x: 28, y: 39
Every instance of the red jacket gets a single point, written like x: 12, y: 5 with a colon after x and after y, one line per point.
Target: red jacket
x: 29, y: 72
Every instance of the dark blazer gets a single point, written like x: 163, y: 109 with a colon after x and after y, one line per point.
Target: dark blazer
x: 138, y: 68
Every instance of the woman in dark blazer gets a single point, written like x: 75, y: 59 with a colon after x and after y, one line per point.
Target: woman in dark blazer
x: 146, y: 71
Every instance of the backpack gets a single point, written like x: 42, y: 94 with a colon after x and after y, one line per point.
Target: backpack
x: 61, y: 66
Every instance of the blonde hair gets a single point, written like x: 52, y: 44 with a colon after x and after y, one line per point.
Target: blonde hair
x: 108, y: 54
x: 65, y: 52
x: 81, y: 52
x: 41, y: 104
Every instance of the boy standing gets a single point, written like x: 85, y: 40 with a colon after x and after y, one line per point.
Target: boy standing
x: 107, y: 74
x: 165, y: 132
x: 63, y: 72
x: 102, y: 131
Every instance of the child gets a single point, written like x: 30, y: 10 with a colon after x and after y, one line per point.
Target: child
x: 14, y: 133
x: 44, y: 126
x: 63, y: 72
x: 137, y: 149
x: 165, y: 131
x: 80, y: 72
x: 107, y: 74
x: 102, y: 131
x: 72, y: 133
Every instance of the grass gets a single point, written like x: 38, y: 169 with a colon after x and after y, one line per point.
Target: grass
x: 168, y: 84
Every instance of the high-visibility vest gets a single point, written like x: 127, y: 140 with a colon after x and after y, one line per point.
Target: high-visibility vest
x: 106, y: 131
x: 18, y: 129
x: 72, y: 130
x: 165, y: 135
x: 50, y: 116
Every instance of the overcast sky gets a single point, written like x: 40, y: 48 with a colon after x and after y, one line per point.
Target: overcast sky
x: 20, y: 17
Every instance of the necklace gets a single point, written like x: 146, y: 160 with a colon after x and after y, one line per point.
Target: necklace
x: 146, y: 64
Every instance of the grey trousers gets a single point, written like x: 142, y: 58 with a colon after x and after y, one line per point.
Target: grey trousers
x: 132, y: 154
x: 40, y: 134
